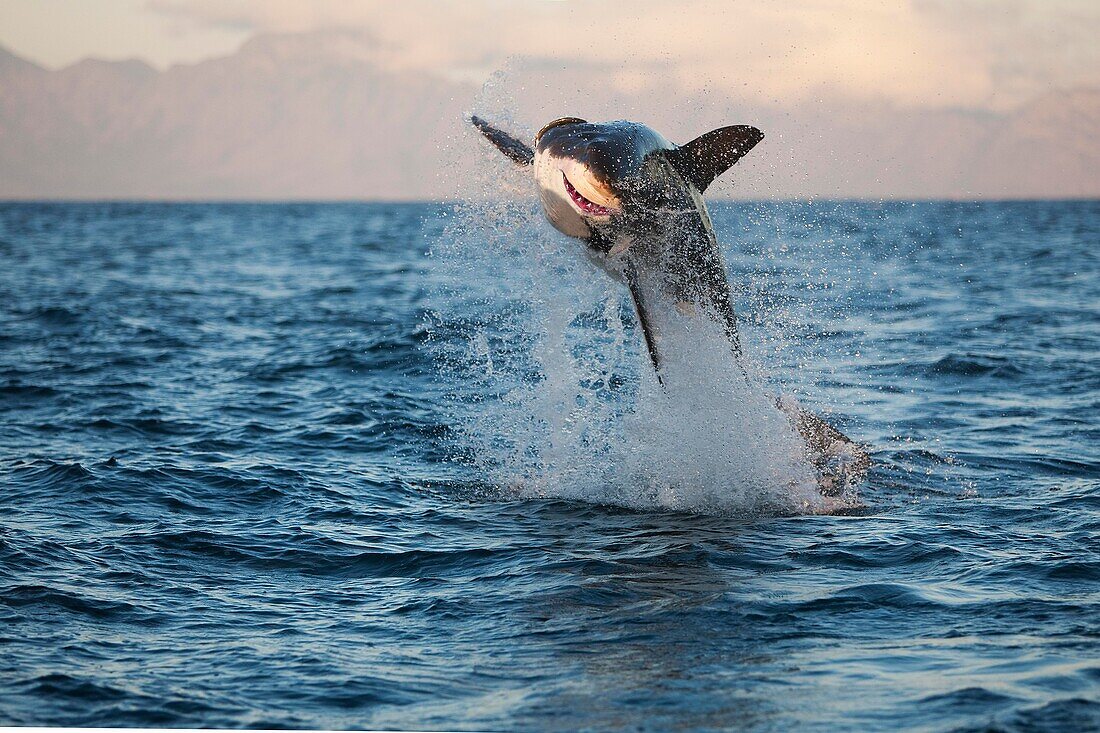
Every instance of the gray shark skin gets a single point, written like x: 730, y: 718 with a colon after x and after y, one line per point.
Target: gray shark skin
x: 635, y: 200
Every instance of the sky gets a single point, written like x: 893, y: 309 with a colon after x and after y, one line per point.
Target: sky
x: 975, y: 54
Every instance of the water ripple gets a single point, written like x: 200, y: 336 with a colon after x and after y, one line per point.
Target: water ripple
x: 236, y: 493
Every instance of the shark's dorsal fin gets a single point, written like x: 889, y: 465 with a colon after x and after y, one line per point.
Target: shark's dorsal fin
x: 709, y: 156
x: 511, y: 146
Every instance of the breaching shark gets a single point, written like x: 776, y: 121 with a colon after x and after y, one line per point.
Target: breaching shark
x: 635, y: 199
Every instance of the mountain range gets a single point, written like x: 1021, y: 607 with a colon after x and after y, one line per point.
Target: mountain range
x: 317, y: 116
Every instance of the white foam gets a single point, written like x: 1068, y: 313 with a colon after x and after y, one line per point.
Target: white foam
x: 554, y: 395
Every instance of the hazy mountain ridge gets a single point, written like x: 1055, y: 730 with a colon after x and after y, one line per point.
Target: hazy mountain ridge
x: 321, y: 116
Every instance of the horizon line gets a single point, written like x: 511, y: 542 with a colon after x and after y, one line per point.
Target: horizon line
x: 4, y: 201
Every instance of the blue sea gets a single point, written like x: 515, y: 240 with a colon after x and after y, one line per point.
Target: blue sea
x: 403, y: 467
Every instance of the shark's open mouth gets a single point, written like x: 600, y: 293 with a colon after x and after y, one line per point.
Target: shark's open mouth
x: 584, y: 204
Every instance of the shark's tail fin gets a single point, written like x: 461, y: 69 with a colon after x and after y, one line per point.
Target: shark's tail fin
x: 839, y: 461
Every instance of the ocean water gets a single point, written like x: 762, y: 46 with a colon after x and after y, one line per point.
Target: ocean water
x: 402, y: 466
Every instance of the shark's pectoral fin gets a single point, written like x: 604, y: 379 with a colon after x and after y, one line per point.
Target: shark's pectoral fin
x: 709, y: 156
x: 511, y: 146
x: 641, y: 308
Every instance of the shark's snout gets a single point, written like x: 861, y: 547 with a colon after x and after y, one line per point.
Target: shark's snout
x: 585, y: 172
x: 577, y: 194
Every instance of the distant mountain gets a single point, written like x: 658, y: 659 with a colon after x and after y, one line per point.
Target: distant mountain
x: 321, y: 116
x: 278, y: 119
x: 1049, y: 147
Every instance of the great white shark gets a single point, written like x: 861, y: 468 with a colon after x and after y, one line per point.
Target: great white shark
x: 636, y: 201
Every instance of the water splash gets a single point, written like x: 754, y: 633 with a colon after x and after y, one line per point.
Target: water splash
x: 556, y: 397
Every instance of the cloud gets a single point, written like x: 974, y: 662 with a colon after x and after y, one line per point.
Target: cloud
x: 1027, y: 47
x: 919, y: 53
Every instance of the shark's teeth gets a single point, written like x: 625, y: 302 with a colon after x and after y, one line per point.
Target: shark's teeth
x: 582, y: 203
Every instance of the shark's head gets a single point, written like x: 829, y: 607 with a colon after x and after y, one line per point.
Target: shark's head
x: 587, y: 173
x: 592, y: 177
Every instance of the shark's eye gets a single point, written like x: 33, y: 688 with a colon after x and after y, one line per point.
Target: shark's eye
x: 557, y: 123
